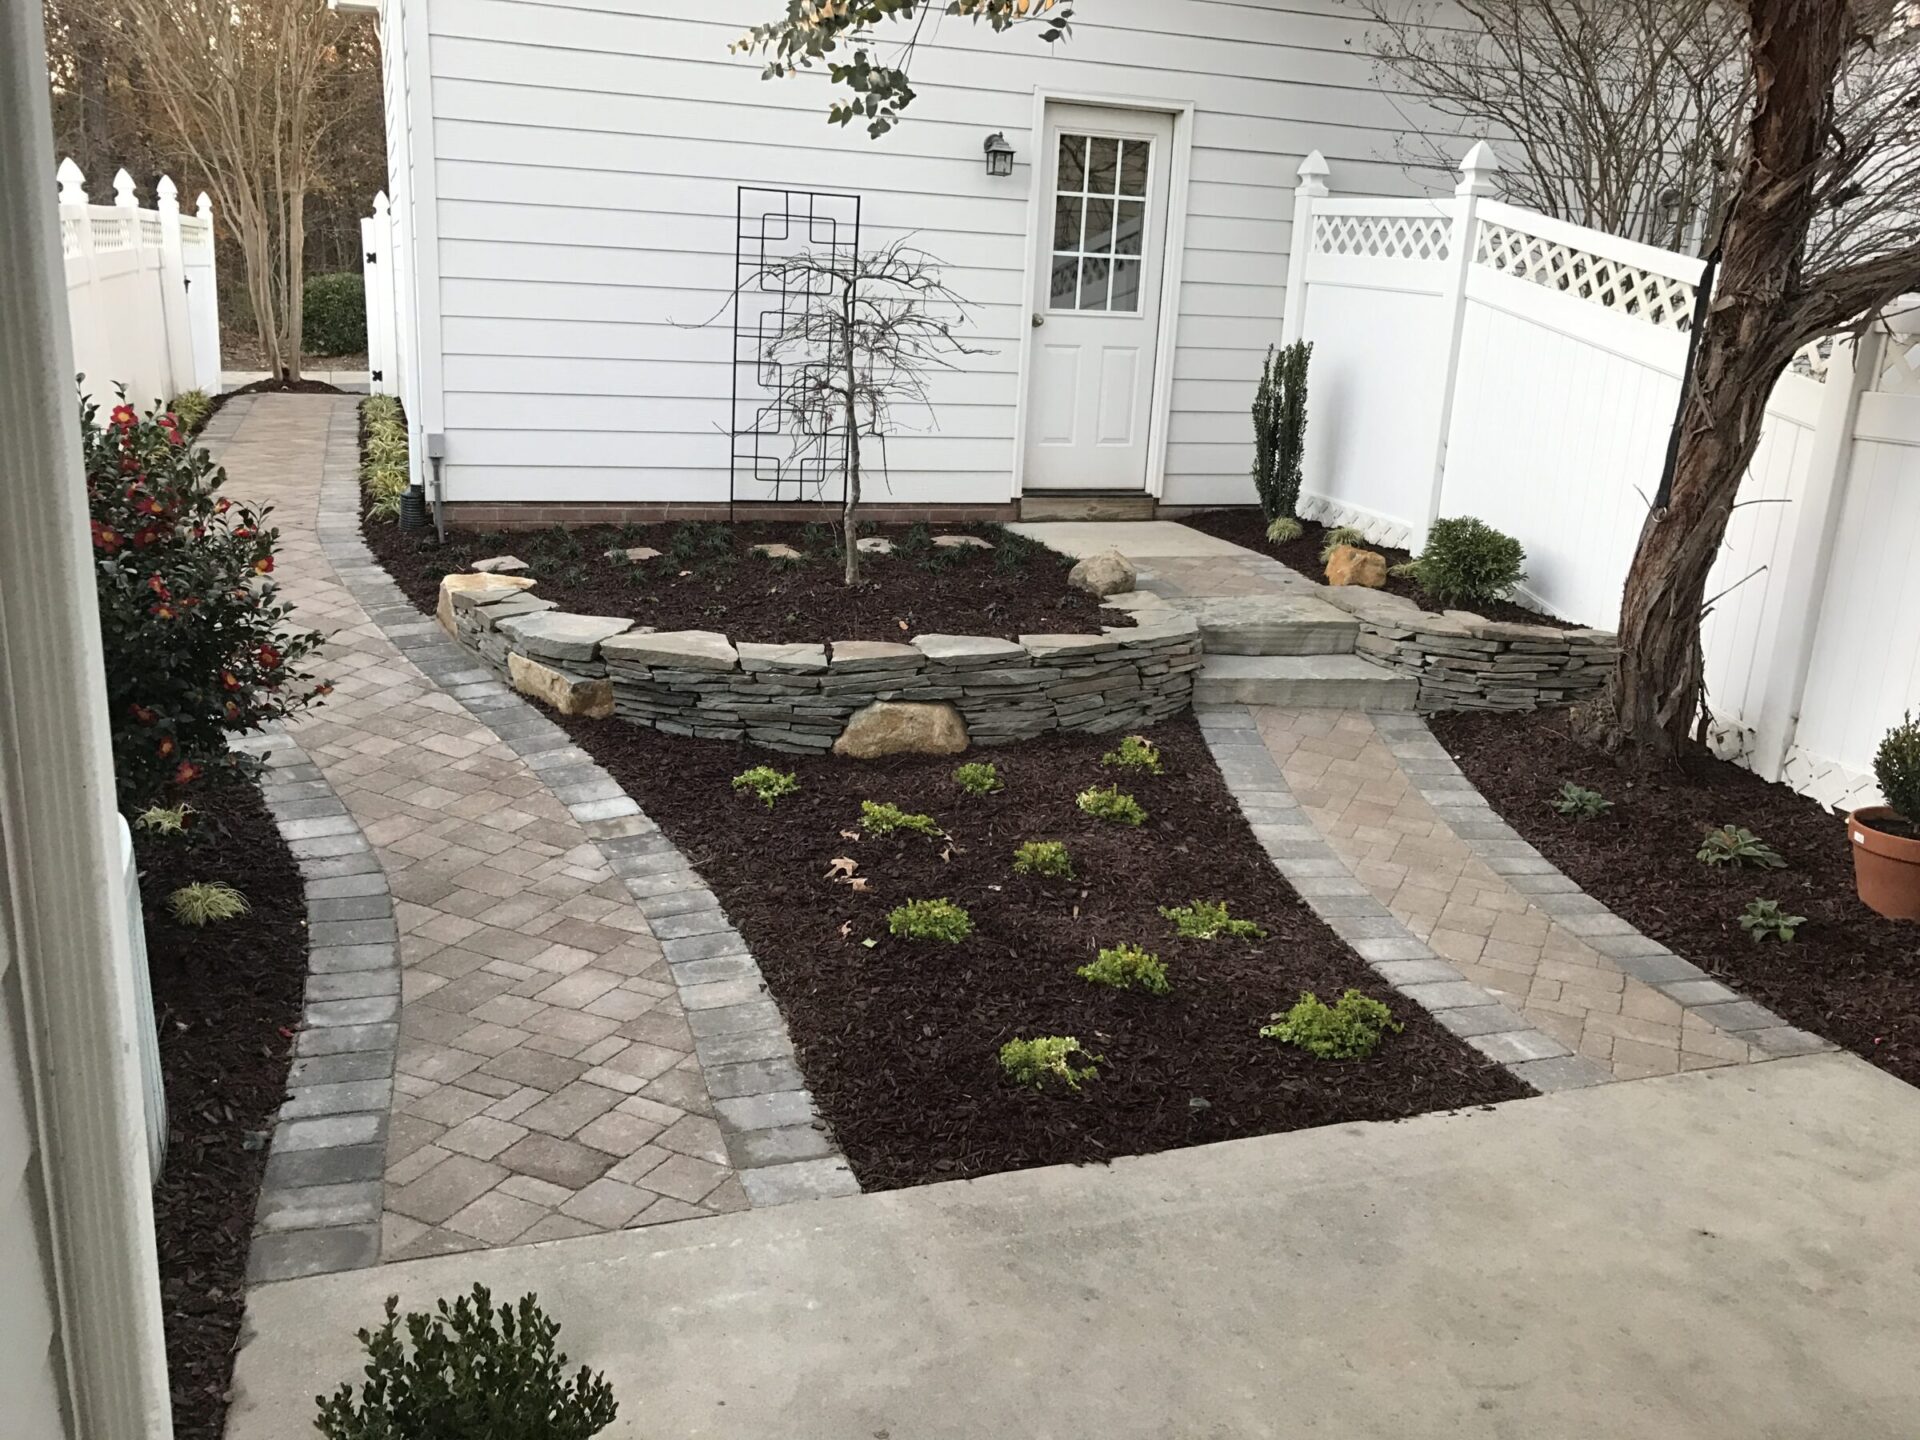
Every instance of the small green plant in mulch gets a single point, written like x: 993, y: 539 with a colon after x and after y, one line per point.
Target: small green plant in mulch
x: 1738, y: 846
x: 206, y: 902
x: 466, y: 1371
x: 1013, y: 552
x: 1208, y: 920
x: 930, y: 920
x: 1111, y: 804
x: 767, y: 783
x: 1340, y: 535
x: 1135, y: 752
x: 1127, y: 967
x: 978, y: 777
x: 1048, y: 1060
x: 1043, y: 857
x: 163, y: 819
x: 1579, y: 803
x: 1349, y: 1030
x: 1896, y: 768
x: 884, y: 819
x: 1283, y: 529
x: 1765, y: 920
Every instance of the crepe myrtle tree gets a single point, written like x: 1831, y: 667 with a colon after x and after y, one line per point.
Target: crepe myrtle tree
x: 870, y: 330
x: 1816, y: 236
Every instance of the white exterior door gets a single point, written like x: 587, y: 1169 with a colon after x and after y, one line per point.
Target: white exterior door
x: 1096, y: 297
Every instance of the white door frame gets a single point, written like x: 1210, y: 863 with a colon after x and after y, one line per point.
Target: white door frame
x: 1040, y: 211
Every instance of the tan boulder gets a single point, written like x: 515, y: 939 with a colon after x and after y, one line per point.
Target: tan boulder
x: 501, y: 585
x: 1350, y: 565
x: 1108, y: 573
x: 900, y: 727
x: 569, y: 694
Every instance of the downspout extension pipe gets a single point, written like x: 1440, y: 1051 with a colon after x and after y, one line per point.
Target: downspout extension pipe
x: 436, y: 454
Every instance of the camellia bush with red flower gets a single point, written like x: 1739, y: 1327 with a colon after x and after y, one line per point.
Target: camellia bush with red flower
x: 196, y: 636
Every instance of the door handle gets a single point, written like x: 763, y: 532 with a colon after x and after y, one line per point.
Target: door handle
x: 1038, y: 319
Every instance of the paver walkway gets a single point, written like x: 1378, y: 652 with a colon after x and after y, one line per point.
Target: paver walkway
x: 545, y: 1080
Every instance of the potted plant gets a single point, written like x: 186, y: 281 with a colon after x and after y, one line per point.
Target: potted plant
x: 1886, y: 838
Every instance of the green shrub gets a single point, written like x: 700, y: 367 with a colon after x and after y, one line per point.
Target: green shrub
x: 1135, y: 752
x: 1280, y: 428
x: 1468, y: 562
x: 1579, y: 802
x: 1340, y: 535
x: 1765, y: 920
x: 1350, y: 1030
x: 190, y: 409
x: 333, y: 315
x: 1896, y: 768
x: 887, y: 818
x: 978, y: 777
x: 1048, y: 1060
x: 1127, y: 967
x: 930, y: 920
x: 767, y: 783
x: 1738, y: 846
x: 468, y: 1372
x: 193, y: 628
x: 205, y: 902
x: 1043, y: 857
x: 1208, y: 920
x: 1111, y: 804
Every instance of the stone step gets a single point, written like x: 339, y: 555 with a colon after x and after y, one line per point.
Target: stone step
x: 1335, y: 682
x: 1086, y: 505
x: 1278, y: 624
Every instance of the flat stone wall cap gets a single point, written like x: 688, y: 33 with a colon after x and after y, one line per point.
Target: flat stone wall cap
x: 1134, y: 600
x: 1483, y: 629
x: 873, y: 655
x: 501, y: 565
x: 633, y: 554
x: 562, y: 635
x: 462, y: 592
x: 1041, y: 645
x: 516, y: 604
x: 785, y: 659
x: 675, y: 649
x: 965, y: 647
x: 1172, y: 626
x: 1376, y: 605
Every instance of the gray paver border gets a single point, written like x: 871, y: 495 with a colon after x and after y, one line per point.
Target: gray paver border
x: 776, y: 1140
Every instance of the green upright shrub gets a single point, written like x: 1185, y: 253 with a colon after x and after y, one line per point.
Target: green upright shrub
x: 1349, y: 1030
x: 1896, y: 768
x: 333, y: 315
x: 1467, y: 562
x: 1280, y: 429
x: 468, y: 1372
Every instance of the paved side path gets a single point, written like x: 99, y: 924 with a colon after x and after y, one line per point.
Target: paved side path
x: 545, y: 1080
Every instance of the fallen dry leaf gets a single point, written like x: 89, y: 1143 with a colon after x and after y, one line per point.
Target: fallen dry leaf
x: 858, y: 883
x: 849, y: 834
x: 901, y: 623
x: 846, y: 928
x: 841, y: 866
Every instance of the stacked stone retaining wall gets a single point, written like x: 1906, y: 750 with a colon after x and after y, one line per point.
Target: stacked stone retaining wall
x: 1465, y: 662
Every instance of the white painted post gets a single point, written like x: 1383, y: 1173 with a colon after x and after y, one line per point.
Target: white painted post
x: 203, y: 306
x: 1785, y: 645
x: 176, y: 324
x: 1312, y: 186
x: 1476, y: 180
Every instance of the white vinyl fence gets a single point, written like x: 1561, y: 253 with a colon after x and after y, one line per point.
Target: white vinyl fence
x: 1474, y: 358
x: 140, y: 291
x: 378, y: 260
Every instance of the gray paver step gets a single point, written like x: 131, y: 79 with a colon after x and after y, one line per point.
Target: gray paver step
x: 1278, y: 624
x: 1343, y: 682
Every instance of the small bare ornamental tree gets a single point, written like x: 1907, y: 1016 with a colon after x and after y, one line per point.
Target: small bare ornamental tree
x: 871, y: 330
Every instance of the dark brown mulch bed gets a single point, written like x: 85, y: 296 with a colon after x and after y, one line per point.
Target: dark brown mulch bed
x: 1244, y: 525
x: 227, y: 999
x: 707, y: 578
x: 1850, y: 975
x: 899, y: 1039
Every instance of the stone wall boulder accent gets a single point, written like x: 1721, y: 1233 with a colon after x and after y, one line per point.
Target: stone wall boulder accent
x: 1108, y: 573
x: 1350, y: 565
x: 591, y: 696
x: 902, y: 727
x: 801, y: 698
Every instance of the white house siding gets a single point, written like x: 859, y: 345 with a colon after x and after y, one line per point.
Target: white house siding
x: 586, y: 157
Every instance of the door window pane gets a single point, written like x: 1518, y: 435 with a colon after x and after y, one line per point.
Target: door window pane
x: 1099, y: 232
x: 1129, y: 226
x: 1133, y: 167
x: 1073, y: 162
x: 1066, y: 275
x: 1093, y: 282
x: 1103, y: 169
x: 1066, y: 222
x: 1126, y: 285
x: 1092, y: 224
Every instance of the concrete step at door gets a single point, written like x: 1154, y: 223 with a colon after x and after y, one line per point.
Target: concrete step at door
x: 1342, y: 682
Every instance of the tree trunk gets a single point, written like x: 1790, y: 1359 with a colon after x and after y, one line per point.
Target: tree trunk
x: 1746, y: 342
x: 849, y: 524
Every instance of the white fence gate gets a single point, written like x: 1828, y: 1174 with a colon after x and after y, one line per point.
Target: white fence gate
x: 377, y: 266
x: 1474, y: 358
x: 141, y: 297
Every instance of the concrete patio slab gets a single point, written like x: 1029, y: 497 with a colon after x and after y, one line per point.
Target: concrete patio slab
x: 1728, y: 1253
x: 1136, y: 539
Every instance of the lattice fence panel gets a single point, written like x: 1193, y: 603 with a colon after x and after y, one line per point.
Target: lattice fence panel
x: 1659, y: 300
x: 1382, y: 237
x: 1900, y: 367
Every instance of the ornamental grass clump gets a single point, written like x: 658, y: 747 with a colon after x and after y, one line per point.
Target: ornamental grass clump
x: 196, y: 638
x: 978, y: 777
x: 383, y: 459
x: 1127, y: 967
x: 191, y: 408
x: 468, y: 1372
x: 1111, y: 805
x: 1349, y: 1030
x: 1208, y: 920
x: 1467, y: 562
x: 1047, y: 1060
x: 163, y: 819
x: 930, y: 920
x: 1135, y: 752
x: 885, y: 819
x: 1340, y: 535
x: 1739, y: 847
x: 206, y: 902
x: 767, y: 784
x: 1048, y: 858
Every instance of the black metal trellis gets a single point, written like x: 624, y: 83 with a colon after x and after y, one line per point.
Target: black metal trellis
x: 771, y: 459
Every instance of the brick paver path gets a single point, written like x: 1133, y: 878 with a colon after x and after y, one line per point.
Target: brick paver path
x: 1409, y: 858
x: 546, y: 1084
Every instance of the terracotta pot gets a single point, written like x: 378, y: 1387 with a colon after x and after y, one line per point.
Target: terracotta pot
x: 1886, y: 868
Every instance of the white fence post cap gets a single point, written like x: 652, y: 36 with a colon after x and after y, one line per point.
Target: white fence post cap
x: 1313, y: 173
x: 123, y: 193
x: 1476, y: 170
x: 380, y: 202
x: 168, y: 193
x: 203, y: 206
x: 73, y: 183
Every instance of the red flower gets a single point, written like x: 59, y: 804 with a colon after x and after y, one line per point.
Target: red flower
x: 222, y: 505
x: 147, y: 505
x: 106, y: 538
x: 233, y: 710
x: 158, y: 585
x: 146, y: 535
x: 325, y: 687
x: 187, y: 773
x: 229, y: 679
x: 264, y: 565
x: 123, y: 416
x: 267, y: 656
x: 143, y: 714
x: 163, y: 612
x: 165, y: 747
x: 243, y: 532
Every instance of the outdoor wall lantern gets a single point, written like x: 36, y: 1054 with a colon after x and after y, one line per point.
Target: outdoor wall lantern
x: 999, y: 155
